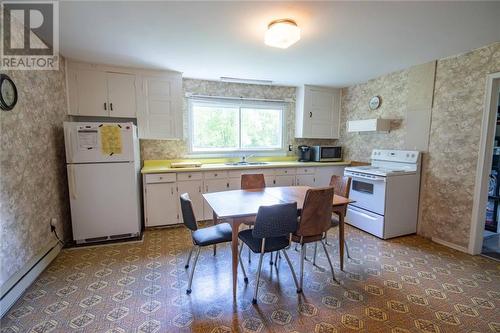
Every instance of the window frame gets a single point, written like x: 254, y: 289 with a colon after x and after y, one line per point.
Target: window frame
x: 239, y: 104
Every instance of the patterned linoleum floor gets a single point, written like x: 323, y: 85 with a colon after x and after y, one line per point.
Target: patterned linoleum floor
x: 407, y: 284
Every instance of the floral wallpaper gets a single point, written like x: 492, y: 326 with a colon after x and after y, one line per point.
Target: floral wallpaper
x: 169, y: 149
x: 448, y: 169
x: 32, y: 168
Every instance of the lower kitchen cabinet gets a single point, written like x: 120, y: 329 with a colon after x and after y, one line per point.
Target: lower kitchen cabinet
x: 161, y: 202
x: 162, y: 190
x: 213, y: 185
x: 194, y: 189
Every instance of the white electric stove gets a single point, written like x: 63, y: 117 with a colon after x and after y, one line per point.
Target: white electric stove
x: 386, y: 193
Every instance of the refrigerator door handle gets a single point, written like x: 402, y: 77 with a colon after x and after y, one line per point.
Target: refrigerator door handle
x: 69, y: 149
x: 71, y: 182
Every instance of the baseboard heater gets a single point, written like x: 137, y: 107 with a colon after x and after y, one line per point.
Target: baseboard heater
x: 12, y: 290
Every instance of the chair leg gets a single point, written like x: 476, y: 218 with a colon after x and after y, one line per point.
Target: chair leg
x: 329, y: 261
x: 271, y: 259
x: 315, y: 252
x: 249, y: 256
x: 302, y: 257
x: 215, y: 250
x: 254, y: 300
x: 296, y: 247
x: 262, y: 247
x: 188, y: 290
x: 291, y: 268
x: 189, y: 258
x: 241, y: 263
x: 347, y: 250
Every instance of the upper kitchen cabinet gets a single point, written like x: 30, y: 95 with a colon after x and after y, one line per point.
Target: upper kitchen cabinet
x: 96, y: 92
x: 161, y: 113
x: 317, y: 113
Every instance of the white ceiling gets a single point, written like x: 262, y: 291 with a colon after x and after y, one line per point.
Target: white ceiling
x: 342, y: 42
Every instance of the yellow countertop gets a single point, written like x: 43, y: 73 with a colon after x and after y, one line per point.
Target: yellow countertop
x: 162, y: 166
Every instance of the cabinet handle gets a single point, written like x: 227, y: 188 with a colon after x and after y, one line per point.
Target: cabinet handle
x: 274, y: 181
x: 105, y: 106
x: 189, y: 176
x: 206, y: 188
x: 227, y: 185
x: 215, y: 175
x: 310, y: 114
x: 111, y: 106
x: 172, y: 190
x: 199, y: 188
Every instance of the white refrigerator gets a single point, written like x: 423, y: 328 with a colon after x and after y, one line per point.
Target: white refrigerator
x: 103, y: 165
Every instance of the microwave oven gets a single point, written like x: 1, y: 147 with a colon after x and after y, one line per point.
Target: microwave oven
x: 326, y: 153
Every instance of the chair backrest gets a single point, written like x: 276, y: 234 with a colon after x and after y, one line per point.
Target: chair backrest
x: 341, y: 184
x: 187, y: 212
x: 275, y: 221
x: 252, y: 181
x: 317, y: 212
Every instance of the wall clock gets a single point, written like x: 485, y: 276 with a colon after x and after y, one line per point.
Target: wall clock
x: 375, y: 102
x: 8, y: 93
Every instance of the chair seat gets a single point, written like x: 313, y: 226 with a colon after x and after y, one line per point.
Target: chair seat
x: 272, y: 243
x: 218, y: 233
x: 307, y: 239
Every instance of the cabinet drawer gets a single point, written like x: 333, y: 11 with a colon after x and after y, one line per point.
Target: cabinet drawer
x: 305, y: 171
x: 215, y: 174
x: 238, y: 173
x: 285, y: 171
x: 189, y: 176
x: 160, y: 178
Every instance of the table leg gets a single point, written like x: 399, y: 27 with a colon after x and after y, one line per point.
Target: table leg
x: 341, y: 237
x: 235, y: 225
x: 215, y: 218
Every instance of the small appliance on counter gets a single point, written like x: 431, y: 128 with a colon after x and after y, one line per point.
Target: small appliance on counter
x: 304, y: 153
x: 326, y: 153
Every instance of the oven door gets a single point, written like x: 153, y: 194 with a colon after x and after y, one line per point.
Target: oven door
x: 368, y: 191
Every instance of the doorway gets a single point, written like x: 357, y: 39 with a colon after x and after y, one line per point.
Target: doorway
x: 485, y: 224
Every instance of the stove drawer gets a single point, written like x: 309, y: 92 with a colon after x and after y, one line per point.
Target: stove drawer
x: 365, y: 220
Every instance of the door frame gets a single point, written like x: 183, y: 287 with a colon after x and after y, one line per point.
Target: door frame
x: 488, y: 128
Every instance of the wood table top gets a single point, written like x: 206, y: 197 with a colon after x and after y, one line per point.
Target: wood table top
x: 240, y: 203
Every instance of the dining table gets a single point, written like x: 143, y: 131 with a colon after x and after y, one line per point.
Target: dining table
x: 238, y: 206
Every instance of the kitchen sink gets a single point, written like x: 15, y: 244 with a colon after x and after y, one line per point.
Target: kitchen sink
x: 247, y: 163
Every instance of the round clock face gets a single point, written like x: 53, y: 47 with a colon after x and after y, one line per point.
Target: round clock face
x: 8, y: 93
x: 374, y: 102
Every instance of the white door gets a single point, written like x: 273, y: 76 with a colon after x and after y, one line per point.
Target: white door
x: 213, y: 185
x: 305, y: 180
x: 92, y: 93
x: 323, y: 106
x: 103, y: 199
x: 285, y: 180
x: 161, y: 204
x: 121, y: 95
x: 194, y: 189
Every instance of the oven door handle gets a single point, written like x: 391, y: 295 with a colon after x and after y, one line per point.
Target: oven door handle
x: 365, y: 178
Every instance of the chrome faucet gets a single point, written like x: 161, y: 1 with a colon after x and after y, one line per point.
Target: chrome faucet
x: 244, y: 158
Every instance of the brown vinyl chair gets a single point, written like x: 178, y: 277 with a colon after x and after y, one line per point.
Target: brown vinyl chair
x: 314, y: 223
x: 342, y: 187
x: 252, y: 181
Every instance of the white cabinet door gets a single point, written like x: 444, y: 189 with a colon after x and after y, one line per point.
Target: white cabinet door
x: 214, y: 185
x: 121, y: 95
x: 324, y: 174
x: 323, y: 112
x: 234, y: 184
x: 305, y: 180
x: 288, y: 180
x: 194, y: 189
x: 92, y: 93
x: 161, y: 204
x: 162, y: 114
x: 270, y: 181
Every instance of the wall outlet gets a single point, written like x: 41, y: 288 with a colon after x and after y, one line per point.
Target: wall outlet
x: 53, y: 222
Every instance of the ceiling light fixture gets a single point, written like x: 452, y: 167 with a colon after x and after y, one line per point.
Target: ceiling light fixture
x: 282, y: 33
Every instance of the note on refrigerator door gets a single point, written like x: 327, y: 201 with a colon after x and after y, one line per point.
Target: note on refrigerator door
x: 87, y: 139
x: 111, y: 139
